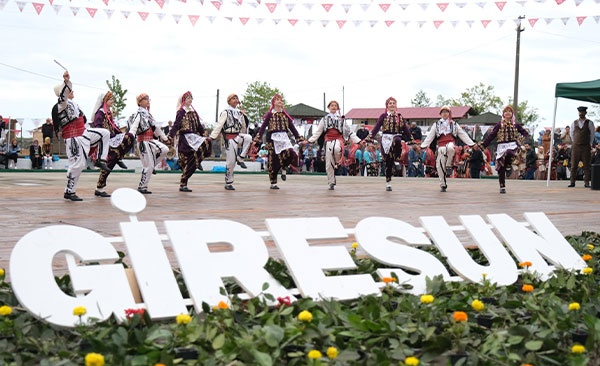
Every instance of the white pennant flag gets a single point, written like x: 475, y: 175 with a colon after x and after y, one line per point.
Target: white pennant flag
x: 290, y: 7
x: 481, y: 5
x: 454, y: 23
x: 424, y: 6
x: 501, y: 22
x: 357, y: 23
x: 324, y: 23
x: 57, y: 8
x: 461, y: 5
x: 521, y: 2
x: 211, y: 19
x: 470, y: 23
x: 125, y: 13
x: 406, y: 23
x: 421, y: 23
x: 565, y: 20
x: 403, y: 6
x: 346, y: 7
x: 176, y: 18
x: 254, y: 5
x: 276, y: 21
x: 2, y: 3
x: 365, y: 7
x: 597, y: 18
x: 260, y: 20
x: 75, y: 10
x: 548, y: 20
x: 308, y: 21
x: 21, y: 5
x: 577, y: 2
x: 308, y: 5
x: 109, y: 12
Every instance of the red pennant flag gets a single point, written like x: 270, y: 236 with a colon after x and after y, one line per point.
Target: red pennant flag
x: 500, y: 4
x: 143, y: 15
x: 105, y: 2
x: 160, y: 3
x: 327, y: 7
x: 293, y: 21
x: 442, y: 6
x: 240, y: 2
x: 389, y: 23
x: 271, y: 6
x: 38, y: 7
x: 51, y: 1
x: 193, y: 19
x: 91, y: 11
x: 437, y: 23
x: 217, y: 4
x: 485, y: 23
x: 244, y: 20
x: 384, y: 7
x: 340, y: 23
x: 532, y: 21
x: 580, y: 20
x: 560, y: 1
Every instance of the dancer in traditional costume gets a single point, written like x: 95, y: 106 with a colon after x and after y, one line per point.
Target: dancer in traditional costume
x: 120, y: 143
x: 394, y: 131
x: 277, y: 122
x: 507, y: 132
x: 152, y: 151
x: 337, y: 132
x: 70, y: 120
x: 443, y: 135
x: 192, y: 146
x: 233, y: 125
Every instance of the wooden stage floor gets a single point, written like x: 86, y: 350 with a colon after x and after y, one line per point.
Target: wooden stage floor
x: 31, y: 200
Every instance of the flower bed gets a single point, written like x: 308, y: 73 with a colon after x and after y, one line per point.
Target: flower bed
x: 533, y: 323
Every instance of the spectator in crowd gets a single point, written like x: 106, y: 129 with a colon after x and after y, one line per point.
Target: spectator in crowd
x: 47, y: 129
x: 562, y: 162
x: 310, y: 154
x: 530, y: 162
x: 4, y: 154
x: 166, y: 129
x: 596, y: 135
x: 263, y: 157
x: 596, y: 155
x: 582, y: 134
x: 14, y: 148
x: 35, y: 155
x: 47, y: 153
x: 416, y: 132
x: 476, y: 162
x: 565, y: 137
x: 362, y: 132
x: 557, y: 138
x: 415, y: 163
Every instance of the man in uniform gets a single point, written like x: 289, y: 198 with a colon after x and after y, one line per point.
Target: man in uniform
x: 582, y: 134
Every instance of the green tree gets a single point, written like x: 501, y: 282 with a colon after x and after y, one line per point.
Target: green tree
x: 441, y: 101
x: 421, y: 99
x: 118, y: 94
x: 257, y: 100
x: 526, y: 115
x: 481, y: 98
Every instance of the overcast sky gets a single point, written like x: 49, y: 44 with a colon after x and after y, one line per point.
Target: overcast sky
x: 360, y: 63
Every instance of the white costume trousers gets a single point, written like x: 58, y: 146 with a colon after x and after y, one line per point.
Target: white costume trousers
x: 78, y: 149
x: 333, y: 153
x: 151, y: 153
x: 444, y: 159
x: 242, y: 141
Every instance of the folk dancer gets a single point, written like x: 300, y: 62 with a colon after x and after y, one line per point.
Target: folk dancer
x: 394, y: 130
x: 233, y: 125
x: 582, y: 135
x: 336, y: 133
x: 152, y: 151
x: 444, y: 132
x: 120, y: 143
x: 70, y: 120
x: 506, y: 132
x: 277, y: 122
x: 192, y: 146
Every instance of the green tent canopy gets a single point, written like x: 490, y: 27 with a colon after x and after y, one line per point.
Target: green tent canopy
x: 588, y: 91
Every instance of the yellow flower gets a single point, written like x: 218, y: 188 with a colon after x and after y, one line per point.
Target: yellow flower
x: 305, y: 316
x: 160, y: 364
x: 574, y: 306
x: 578, y: 348
x: 2, y: 272
x: 94, y: 359
x: 590, y: 246
x: 586, y: 257
x: 411, y: 361
x: 527, y: 288
x: 332, y: 352
x: 223, y: 305
x: 477, y: 305
x: 587, y: 270
x: 314, y: 354
x: 525, y: 264
x: 354, y: 245
x: 388, y: 279
x: 580, y: 165
x: 5, y: 310
x: 427, y: 299
x: 460, y: 316
x: 183, y: 319
x: 79, y: 311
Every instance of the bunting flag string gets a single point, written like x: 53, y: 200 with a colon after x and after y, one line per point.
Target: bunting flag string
x: 354, y: 12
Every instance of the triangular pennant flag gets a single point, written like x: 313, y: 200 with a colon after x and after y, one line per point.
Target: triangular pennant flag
x: 346, y: 7
x: 239, y: 2
x: 75, y: 10
x: 577, y: 2
x: 357, y: 22
x: 481, y: 4
x: 308, y: 21
x: 109, y: 12
x: 501, y: 22
x: 340, y: 23
x: 21, y: 5
x: 388, y: 23
x: 485, y: 23
x: 324, y: 23
x: 260, y: 20
x: 105, y: 2
x: 384, y: 7
x: 290, y: 7
x: 254, y: 5
x: 559, y: 1
x: 454, y: 23
x: 327, y: 7
x: 565, y: 20
x: 211, y: 19
x: 580, y: 19
x: 423, y: 6
x: 160, y: 3
x: 540, y: 1
x: 365, y: 7
x: 229, y: 18
x: 143, y: 15
x: 125, y: 13
x: 442, y: 6
x: 193, y: 19
x: 91, y: 11
x: 293, y: 21
x: 403, y: 6
x: 217, y: 5
x: 56, y: 8
x: 244, y: 20
x: 522, y: 2
x: 271, y: 6
x: 437, y: 23
x: 38, y: 7
x: 470, y: 23
x: 460, y: 5
x: 500, y: 4
x: 532, y: 21
x: 160, y: 16
x: 308, y: 6
x: 176, y: 18
x: 420, y: 23
x: 3, y: 3
x: 406, y: 23
x: 597, y: 18
x: 548, y: 20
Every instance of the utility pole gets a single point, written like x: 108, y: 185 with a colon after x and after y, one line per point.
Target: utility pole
x: 518, y: 54
x: 217, y: 107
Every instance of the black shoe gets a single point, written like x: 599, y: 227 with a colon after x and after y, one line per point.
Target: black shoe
x: 72, y: 197
x: 121, y: 164
x: 587, y: 185
x: 502, y: 190
x: 283, y: 175
x: 274, y: 186
x: 98, y: 193
x: 388, y: 188
x: 200, y: 167
x: 184, y: 189
x: 571, y: 185
x: 144, y: 191
x: 443, y: 189
x: 229, y: 187
x: 331, y: 187
x: 154, y: 171
x: 242, y: 164
x: 102, y: 165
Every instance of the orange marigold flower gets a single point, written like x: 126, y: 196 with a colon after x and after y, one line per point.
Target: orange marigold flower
x: 527, y: 288
x: 586, y: 257
x: 525, y: 264
x: 223, y: 305
x: 460, y: 316
x: 388, y: 279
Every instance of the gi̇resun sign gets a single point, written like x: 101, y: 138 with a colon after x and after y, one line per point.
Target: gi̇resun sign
x: 104, y: 289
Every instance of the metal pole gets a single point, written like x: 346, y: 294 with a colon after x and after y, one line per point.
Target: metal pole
x: 518, y: 54
x: 217, y: 107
